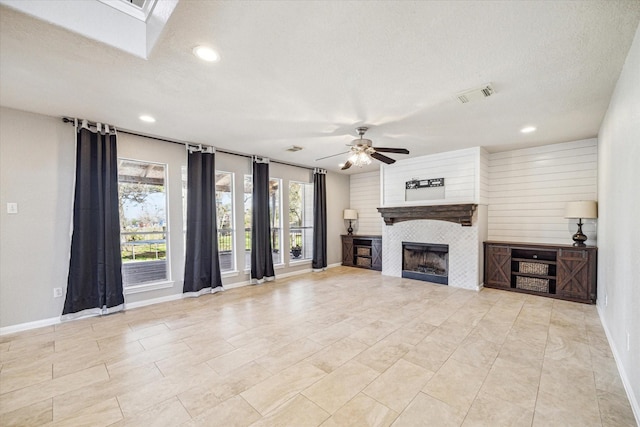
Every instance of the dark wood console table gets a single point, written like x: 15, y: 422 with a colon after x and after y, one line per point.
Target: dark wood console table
x: 557, y: 271
x: 362, y: 251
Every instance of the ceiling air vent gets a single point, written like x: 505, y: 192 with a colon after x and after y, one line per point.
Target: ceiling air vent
x: 475, y: 94
x: 294, y: 148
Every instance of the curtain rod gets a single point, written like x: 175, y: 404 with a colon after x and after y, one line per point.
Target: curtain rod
x: 173, y: 141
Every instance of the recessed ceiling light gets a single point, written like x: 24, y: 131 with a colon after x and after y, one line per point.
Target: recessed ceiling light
x: 206, y: 53
x: 147, y: 118
x: 528, y: 129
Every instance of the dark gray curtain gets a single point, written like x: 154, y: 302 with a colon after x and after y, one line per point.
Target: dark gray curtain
x: 319, y: 261
x: 202, y: 266
x: 94, y: 284
x: 261, y: 252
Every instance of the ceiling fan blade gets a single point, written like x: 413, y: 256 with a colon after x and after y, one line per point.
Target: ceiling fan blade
x: 347, y: 165
x: 333, y: 155
x: 382, y: 158
x: 391, y: 150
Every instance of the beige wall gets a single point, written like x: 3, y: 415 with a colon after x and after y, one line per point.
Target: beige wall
x: 619, y: 204
x: 37, y: 167
x: 37, y: 164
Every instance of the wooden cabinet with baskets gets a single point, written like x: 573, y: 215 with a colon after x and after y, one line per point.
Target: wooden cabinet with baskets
x: 498, y: 266
x: 559, y: 271
x: 576, y: 273
x: 362, y: 251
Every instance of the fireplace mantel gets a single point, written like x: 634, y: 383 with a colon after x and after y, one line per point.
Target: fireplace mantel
x: 459, y: 214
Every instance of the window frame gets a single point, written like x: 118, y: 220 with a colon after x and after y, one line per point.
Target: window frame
x: 232, y: 217
x: 167, y: 282
x: 185, y: 195
x: 280, y: 248
x: 306, y: 241
x: 249, y: 178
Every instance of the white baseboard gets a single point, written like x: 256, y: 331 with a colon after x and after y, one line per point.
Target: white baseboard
x: 30, y: 325
x: 236, y: 285
x: 278, y: 276
x: 294, y: 273
x: 146, y: 302
x: 635, y: 405
x: 131, y: 305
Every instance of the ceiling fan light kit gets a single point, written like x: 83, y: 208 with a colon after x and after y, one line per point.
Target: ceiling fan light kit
x: 362, y: 151
x: 361, y: 158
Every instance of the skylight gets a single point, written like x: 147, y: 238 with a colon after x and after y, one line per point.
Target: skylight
x: 139, y: 9
x: 123, y: 24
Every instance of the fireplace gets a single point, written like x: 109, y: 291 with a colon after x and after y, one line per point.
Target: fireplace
x: 426, y: 261
x: 465, y: 259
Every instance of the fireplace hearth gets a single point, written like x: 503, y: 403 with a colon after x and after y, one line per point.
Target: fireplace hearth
x: 426, y: 261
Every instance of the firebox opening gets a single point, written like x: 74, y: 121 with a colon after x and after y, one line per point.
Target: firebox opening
x: 426, y: 261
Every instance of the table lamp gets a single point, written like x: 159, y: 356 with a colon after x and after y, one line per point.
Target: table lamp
x: 350, y: 214
x: 581, y: 209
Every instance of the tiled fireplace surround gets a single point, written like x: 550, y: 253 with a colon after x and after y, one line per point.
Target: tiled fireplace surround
x: 465, y: 246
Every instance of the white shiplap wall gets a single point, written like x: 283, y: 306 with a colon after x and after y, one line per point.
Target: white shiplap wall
x: 482, y: 195
x: 460, y: 169
x: 528, y: 190
x: 365, y: 198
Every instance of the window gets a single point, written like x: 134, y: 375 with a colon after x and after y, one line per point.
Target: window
x: 224, y: 217
x: 300, y: 220
x: 248, y: 200
x: 275, y: 217
x: 142, y: 201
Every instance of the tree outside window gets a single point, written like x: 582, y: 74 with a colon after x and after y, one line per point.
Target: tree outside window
x: 275, y: 217
x: 300, y: 220
x: 224, y: 218
x: 142, y: 203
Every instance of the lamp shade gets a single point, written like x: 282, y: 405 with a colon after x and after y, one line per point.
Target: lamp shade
x: 581, y: 209
x: 350, y: 214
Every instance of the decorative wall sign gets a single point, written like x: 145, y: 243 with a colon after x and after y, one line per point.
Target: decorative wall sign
x: 424, y: 189
x: 424, y: 183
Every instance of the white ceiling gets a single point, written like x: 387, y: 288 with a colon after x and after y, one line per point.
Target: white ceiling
x: 308, y: 73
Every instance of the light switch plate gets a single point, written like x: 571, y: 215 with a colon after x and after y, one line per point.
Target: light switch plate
x: 12, y: 208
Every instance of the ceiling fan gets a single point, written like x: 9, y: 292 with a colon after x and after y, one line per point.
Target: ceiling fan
x: 362, y: 151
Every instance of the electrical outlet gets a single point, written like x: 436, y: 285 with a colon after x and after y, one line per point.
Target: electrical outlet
x: 57, y: 292
x: 12, y: 208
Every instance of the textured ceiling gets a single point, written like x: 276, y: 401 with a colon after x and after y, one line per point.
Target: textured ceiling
x: 308, y: 73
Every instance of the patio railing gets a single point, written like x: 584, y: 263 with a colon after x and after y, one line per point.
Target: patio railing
x: 151, y: 245
x: 144, y: 253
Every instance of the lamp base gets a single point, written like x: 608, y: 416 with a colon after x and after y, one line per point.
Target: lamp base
x: 579, y: 238
x: 350, y: 229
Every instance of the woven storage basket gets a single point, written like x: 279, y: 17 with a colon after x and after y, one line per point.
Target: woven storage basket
x: 534, y: 268
x: 363, y: 251
x: 366, y: 262
x: 532, y: 284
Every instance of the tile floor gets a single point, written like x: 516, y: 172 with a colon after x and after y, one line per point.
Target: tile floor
x: 346, y: 347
